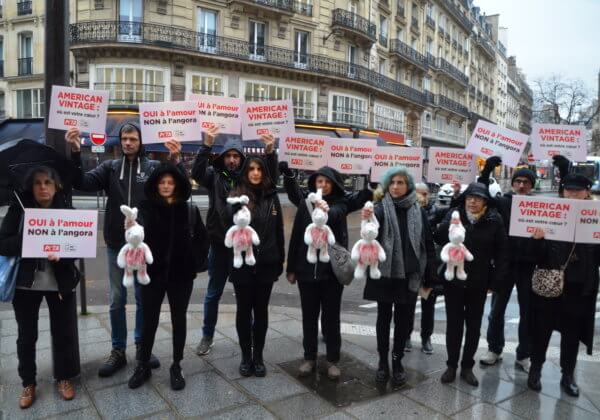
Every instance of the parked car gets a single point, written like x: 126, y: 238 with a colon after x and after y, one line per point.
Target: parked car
x: 444, y: 196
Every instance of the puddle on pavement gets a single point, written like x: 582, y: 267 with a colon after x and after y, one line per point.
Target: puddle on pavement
x: 356, y: 384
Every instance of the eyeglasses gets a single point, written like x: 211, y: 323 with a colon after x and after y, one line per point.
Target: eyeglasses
x: 522, y: 181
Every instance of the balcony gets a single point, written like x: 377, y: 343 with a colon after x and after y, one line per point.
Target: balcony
x: 90, y: 34
x: 24, y: 66
x: 431, y: 61
x: 23, y: 8
x: 349, y: 116
x: 453, y: 72
x: 274, y: 7
x: 430, y: 22
x: 462, y: 19
x: 303, y: 8
x: 132, y: 93
x: 409, y: 54
x: 1, y: 68
x: 356, y: 26
x: 451, y: 105
x: 429, y: 97
x: 384, y: 5
x: 485, y: 47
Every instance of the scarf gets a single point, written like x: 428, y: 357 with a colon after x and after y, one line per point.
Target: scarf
x: 393, y: 266
x: 474, y: 217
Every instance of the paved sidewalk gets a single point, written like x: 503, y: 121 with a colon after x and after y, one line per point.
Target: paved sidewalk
x: 216, y: 390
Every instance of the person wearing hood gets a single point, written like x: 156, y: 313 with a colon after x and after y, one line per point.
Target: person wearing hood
x: 572, y: 313
x: 486, y: 239
x: 253, y: 284
x: 123, y: 182
x: 320, y: 291
x: 167, y: 220
x: 53, y: 278
x: 522, y: 264
x: 220, y: 176
x: 406, y: 238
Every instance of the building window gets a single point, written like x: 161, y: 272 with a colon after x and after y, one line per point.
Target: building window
x: 352, y: 60
x: 301, y: 41
x: 131, y: 17
x: 207, y: 30
x: 207, y: 85
x: 383, y: 30
x: 301, y: 98
x: 389, y: 119
x: 131, y: 85
x: 30, y: 103
x: 257, y: 40
x: 23, y: 7
x: 382, y: 64
x: 25, y: 60
x: 2, y: 62
x: 349, y: 110
x: 399, y: 34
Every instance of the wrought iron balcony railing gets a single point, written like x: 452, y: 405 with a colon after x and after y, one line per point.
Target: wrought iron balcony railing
x: 410, y: 54
x: 451, y: 105
x: 132, y: 93
x: 430, y: 22
x: 383, y: 40
x: 174, y: 38
x: 431, y: 60
x: 303, y: 8
x: 486, y: 47
x: 23, y: 8
x: 429, y: 97
x: 457, y: 14
x: 24, y: 66
x: 350, y: 20
x: 285, y: 5
x: 1, y: 68
x: 453, y: 72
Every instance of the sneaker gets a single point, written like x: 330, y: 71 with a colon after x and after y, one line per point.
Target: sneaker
x: 469, y: 377
x: 177, y: 380
x: 27, y: 397
x: 140, y: 375
x: 427, y: 348
x: 115, y: 361
x: 307, y: 367
x: 153, y: 363
x: 490, y: 358
x: 204, y: 346
x: 449, y: 375
x: 407, y: 346
x: 333, y: 372
x: 523, y: 364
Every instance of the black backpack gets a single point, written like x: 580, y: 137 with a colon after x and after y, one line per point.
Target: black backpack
x: 200, y: 240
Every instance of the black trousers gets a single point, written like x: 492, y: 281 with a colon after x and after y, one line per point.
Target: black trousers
x: 252, y: 316
x: 464, y: 306
x: 401, y: 313
x: 315, y: 297
x: 427, y: 316
x: 26, y: 304
x: 566, y: 313
x: 153, y: 294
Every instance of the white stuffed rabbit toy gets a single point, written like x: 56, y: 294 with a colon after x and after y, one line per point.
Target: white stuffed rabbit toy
x: 241, y: 236
x: 454, y: 253
x: 135, y: 254
x: 318, y: 236
x: 367, y: 253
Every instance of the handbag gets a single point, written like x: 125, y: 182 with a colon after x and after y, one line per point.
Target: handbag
x: 9, y: 267
x: 550, y: 282
x: 341, y: 262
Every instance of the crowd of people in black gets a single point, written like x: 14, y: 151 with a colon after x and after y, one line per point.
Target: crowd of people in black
x: 411, y: 233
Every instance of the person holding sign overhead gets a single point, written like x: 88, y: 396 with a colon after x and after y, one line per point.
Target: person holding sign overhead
x: 123, y: 181
x: 573, y: 311
x: 53, y: 278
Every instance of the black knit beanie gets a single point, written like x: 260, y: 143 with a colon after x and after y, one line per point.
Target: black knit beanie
x: 524, y: 173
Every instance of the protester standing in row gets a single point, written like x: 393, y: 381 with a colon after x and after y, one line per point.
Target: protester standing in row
x: 123, y: 181
x: 220, y: 176
x: 168, y: 226
x: 406, y: 238
x: 53, y: 278
x: 573, y: 312
x: 465, y: 299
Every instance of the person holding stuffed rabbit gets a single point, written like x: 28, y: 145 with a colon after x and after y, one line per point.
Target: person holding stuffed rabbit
x: 178, y: 240
x: 407, y: 240
x: 253, y: 279
x: 486, y: 239
x: 53, y: 278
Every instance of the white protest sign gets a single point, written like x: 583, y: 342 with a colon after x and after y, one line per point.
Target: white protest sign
x: 302, y: 151
x: 548, y: 140
x: 84, y: 109
x: 491, y: 140
x: 587, y: 230
x: 63, y: 232
x: 556, y: 216
x: 350, y: 156
x: 389, y: 156
x: 162, y: 121
x: 448, y: 165
x: 269, y: 117
x: 224, y: 113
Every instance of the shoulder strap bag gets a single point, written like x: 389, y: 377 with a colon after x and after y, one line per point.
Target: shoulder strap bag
x: 550, y: 282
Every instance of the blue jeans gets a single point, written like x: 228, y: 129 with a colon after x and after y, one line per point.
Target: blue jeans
x: 520, y: 274
x: 118, y: 300
x: 219, y: 268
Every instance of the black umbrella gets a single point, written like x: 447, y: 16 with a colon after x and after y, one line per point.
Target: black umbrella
x: 19, y: 156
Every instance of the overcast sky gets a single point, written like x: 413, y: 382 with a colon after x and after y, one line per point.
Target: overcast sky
x: 552, y: 36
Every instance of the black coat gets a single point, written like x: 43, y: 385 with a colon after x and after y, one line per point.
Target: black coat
x: 11, y: 244
x: 519, y: 248
x: 338, y: 210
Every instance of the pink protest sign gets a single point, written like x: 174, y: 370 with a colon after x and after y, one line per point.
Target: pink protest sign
x: 548, y: 140
x: 350, y: 156
x: 447, y: 164
x: 270, y: 117
x: 556, y: 216
x: 303, y: 151
x: 162, y: 121
x: 587, y: 230
x: 84, y: 109
x: 386, y: 157
x: 224, y: 113
x: 491, y: 140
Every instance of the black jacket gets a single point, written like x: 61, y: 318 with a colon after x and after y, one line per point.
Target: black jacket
x: 519, y: 248
x: 338, y: 210
x: 167, y: 229
x: 11, y: 244
x: 220, y: 182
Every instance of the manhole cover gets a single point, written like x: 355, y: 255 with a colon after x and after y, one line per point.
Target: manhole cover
x: 356, y: 384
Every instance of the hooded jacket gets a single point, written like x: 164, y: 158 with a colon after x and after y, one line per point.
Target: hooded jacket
x: 486, y: 239
x: 220, y: 182
x: 167, y: 229
x: 123, y: 182
x: 11, y: 244
x: 338, y: 210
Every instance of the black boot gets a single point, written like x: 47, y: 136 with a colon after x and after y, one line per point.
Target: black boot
x: 153, y: 363
x: 260, y: 370
x: 383, y: 372
x: 177, y: 380
x: 398, y: 374
x: 449, y: 375
x: 469, y: 377
x: 534, y: 379
x: 246, y: 367
x: 567, y: 383
x: 140, y: 375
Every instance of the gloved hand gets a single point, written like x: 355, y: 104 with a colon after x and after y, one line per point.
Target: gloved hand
x: 488, y: 168
x: 562, y: 163
x: 285, y: 169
